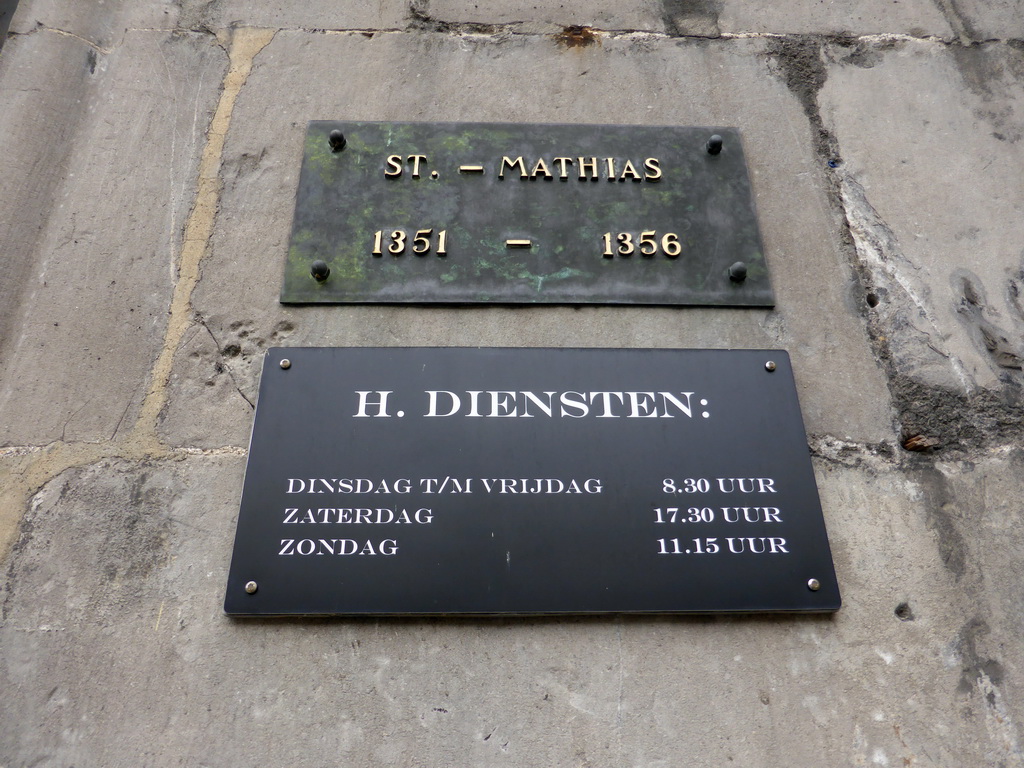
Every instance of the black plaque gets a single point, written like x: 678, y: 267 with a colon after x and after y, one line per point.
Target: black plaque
x: 528, y: 481
x: 570, y: 214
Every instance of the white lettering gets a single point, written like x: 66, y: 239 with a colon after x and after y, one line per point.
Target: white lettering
x: 455, y: 403
x: 546, y: 408
x: 381, y: 403
x: 667, y: 397
x: 338, y: 547
x: 502, y: 407
x: 580, y: 405
x: 636, y: 405
x: 606, y: 399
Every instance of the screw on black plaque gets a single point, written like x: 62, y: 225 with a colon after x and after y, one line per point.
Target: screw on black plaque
x: 738, y: 272
x: 714, y: 145
x: 251, y: 588
x: 813, y: 584
x: 319, y: 270
x: 769, y: 366
x: 337, y: 140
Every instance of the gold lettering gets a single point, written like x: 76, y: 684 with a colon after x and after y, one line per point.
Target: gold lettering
x: 611, y: 168
x: 416, y: 164
x: 587, y: 168
x: 563, y: 162
x: 630, y: 171
x: 541, y: 168
x: 652, y: 171
x: 395, y: 164
x: 511, y: 165
x: 588, y: 163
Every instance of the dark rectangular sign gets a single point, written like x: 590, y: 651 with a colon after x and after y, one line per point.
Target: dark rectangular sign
x: 528, y: 481
x: 567, y: 214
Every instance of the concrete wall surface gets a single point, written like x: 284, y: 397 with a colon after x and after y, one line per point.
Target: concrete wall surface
x: 147, y: 183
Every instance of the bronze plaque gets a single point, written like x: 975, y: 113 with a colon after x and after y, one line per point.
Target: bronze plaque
x: 517, y: 214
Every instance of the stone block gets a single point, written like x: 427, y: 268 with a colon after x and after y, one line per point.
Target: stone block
x: 103, y: 24
x: 96, y: 266
x: 913, y: 121
x: 547, y: 17
x: 916, y: 18
x: 297, y: 14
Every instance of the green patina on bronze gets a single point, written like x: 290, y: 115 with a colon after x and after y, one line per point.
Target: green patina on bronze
x: 344, y: 198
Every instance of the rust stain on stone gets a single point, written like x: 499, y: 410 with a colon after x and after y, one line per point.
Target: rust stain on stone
x: 920, y: 443
x: 576, y: 37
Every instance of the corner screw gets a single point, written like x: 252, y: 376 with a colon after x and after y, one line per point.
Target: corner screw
x: 738, y: 272
x: 337, y: 140
x: 714, y: 145
x: 286, y: 363
x: 319, y: 270
x: 769, y: 366
x: 251, y: 587
x: 812, y: 584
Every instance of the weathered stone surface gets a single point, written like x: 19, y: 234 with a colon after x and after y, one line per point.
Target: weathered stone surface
x: 918, y: 18
x: 293, y: 14
x: 114, y: 595
x: 22, y: 81
x: 95, y: 264
x: 944, y: 259
x: 550, y: 17
x: 919, y: 557
x: 970, y: 20
x: 977, y: 20
x: 707, y: 18
x: 390, y: 77
x: 138, y: 589
x: 103, y: 24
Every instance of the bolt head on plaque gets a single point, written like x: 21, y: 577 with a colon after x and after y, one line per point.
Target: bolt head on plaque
x: 337, y: 140
x: 813, y: 584
x: 738, y: 272
x: 714, y: 145
x: 251, y: 587
x: 770, y: 366
x: 286, y: 363
x: 319, y: 270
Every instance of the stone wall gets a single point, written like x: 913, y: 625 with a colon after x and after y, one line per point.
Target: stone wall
x: 152, y: 150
